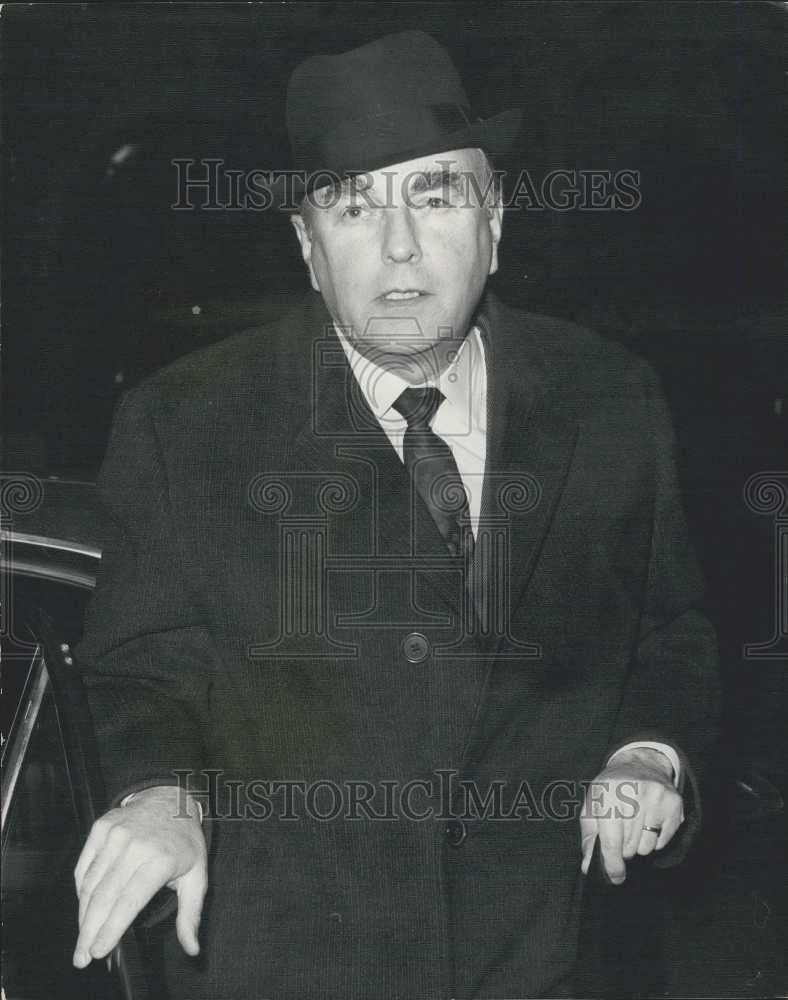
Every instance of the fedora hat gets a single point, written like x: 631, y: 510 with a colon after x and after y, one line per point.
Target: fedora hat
x: 394, y: 99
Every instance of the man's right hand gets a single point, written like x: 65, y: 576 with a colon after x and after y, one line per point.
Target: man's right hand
x: 130, y: 854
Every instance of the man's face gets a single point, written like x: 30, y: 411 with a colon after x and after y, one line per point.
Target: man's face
x: 401, y: 256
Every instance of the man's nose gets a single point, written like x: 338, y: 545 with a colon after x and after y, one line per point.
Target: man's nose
x: 400, y: 242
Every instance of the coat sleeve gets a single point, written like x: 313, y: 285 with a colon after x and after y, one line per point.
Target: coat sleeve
x: 147, y: 653
x: 672, y: 694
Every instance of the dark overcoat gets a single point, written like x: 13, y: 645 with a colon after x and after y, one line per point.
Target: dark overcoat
x: 278, y: 607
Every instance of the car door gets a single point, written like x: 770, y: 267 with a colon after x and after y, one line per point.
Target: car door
x: 51, y: 788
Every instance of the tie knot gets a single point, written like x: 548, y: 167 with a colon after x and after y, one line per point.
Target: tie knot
x: 419, y: 406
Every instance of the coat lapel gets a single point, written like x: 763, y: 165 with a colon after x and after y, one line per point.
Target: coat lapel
x: 530, y: 442
x: 341, y: 431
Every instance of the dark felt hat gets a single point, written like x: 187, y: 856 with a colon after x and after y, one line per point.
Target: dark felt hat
x: 391, y: 100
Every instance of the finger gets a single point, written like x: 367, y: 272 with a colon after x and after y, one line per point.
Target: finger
x: 633, y: 828
x: 145, y: 881
x: 191, y: 889
x: 588, y: 853
x: 115, y: 844
x: 115, y: 876
x: 96, y: 837
x: 588, y: 834
x: 97, y: 911
x: 660, y: 824
x: 611, y: 839
x: 669, y: 828
x: 648, y: 838
x: 654, y: 825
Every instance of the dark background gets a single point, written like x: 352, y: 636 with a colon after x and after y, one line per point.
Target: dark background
x: 103, y: 282
x: 101, y: 275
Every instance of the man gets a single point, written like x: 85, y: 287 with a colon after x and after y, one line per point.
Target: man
x: 406, y: 550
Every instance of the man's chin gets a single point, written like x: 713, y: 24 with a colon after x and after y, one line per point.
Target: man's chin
x: 403, y: 332
x: 405, y: 335
x: 415, y: 361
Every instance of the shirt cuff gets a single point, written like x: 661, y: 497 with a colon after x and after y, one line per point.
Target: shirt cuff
x: 663, y: 748
x: 133, y: 795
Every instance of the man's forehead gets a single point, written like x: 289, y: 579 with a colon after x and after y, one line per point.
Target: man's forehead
x: 421, y: 172
x: 450, y: 160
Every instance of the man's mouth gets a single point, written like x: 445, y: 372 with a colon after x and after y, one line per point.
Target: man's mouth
x: 403, y: 294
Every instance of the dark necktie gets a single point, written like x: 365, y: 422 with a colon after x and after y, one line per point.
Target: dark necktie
x: 431, y: 465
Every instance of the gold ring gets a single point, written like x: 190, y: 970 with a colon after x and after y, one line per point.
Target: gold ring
x: 652, y: 829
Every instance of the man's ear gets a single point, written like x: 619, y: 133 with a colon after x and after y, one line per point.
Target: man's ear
x: 495, y: 222
x: 305, y: 241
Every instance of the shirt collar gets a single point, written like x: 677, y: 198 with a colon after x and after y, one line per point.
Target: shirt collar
x: 382, y: 387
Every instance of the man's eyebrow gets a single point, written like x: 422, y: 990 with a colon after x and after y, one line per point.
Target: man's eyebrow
x: 430, y: 180
x: 352, y: 183
x: 358, y: 186
x: 349, y: 186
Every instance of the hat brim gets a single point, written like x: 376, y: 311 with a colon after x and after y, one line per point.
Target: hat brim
x: 496, y: 136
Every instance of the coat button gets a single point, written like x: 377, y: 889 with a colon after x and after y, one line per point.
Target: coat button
x: 456, y: 831
x: 416, y: 647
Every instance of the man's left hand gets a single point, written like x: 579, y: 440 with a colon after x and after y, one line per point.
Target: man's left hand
x: 633, y: 807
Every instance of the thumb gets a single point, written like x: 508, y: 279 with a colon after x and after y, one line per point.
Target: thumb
x: 191, y: 889
x: 588, y: 834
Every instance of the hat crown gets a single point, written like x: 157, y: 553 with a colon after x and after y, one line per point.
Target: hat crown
x: 399, y: 71
x: 389, y: 101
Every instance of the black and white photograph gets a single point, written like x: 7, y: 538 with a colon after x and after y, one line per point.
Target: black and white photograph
x: 394, y: 501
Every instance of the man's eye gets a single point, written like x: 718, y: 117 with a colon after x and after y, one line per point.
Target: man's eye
x: 352, y: 212
x: 436, y: 201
